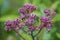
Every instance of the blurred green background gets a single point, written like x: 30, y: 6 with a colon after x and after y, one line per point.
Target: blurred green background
x: 9, y: 11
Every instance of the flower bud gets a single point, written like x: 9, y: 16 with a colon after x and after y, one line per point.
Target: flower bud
x: 21, y: 10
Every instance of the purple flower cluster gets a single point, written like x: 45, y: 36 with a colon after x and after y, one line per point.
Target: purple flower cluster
x: 47, y: 19
x: 29, y: 7
x: 13, y: 25
x: 28, y: 19
x: 49, y: 13
x: 25, y: 12
x: 46, y: 22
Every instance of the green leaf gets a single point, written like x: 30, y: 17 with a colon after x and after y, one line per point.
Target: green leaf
x: 26, y: 1
x: 58, y: 35
x: 26, y: 36
x: 36, y: 2
x: 54, y: 5
x: 57, y: 18
x: 8, y: 17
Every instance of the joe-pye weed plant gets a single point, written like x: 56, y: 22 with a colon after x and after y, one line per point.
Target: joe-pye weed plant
x: 29, y: 20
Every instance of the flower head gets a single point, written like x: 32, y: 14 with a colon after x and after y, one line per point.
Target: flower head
x: 29, y: 22
x: 29, y: 7
x: 47, y: 12
x: 47, y: 19
x: 22, y: 10
x: 13, y: 24
x: 32, y: 16
x: 46, y: 22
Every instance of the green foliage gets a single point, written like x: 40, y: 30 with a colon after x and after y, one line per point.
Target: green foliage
x: 58, y: 35
x: 26, y: 36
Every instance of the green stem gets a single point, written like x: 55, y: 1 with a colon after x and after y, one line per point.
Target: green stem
x: 32, y: 35
x: 38, y: 33
x: 19, y: 35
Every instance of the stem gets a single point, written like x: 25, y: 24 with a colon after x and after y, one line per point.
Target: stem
x: 38, y: 32
x: 19, y: 35
x: 32, y: 35
x: 38, y: 37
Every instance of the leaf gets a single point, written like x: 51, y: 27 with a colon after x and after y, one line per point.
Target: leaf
x: 54, y: 5
x: 8, y: 17
x: 13, y: 15
x: 58, y: 35
x: 26, y: 36
x: 26, y: 1
x: 57, y: 18
x: 41, y: 8
x: 35, y: 2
